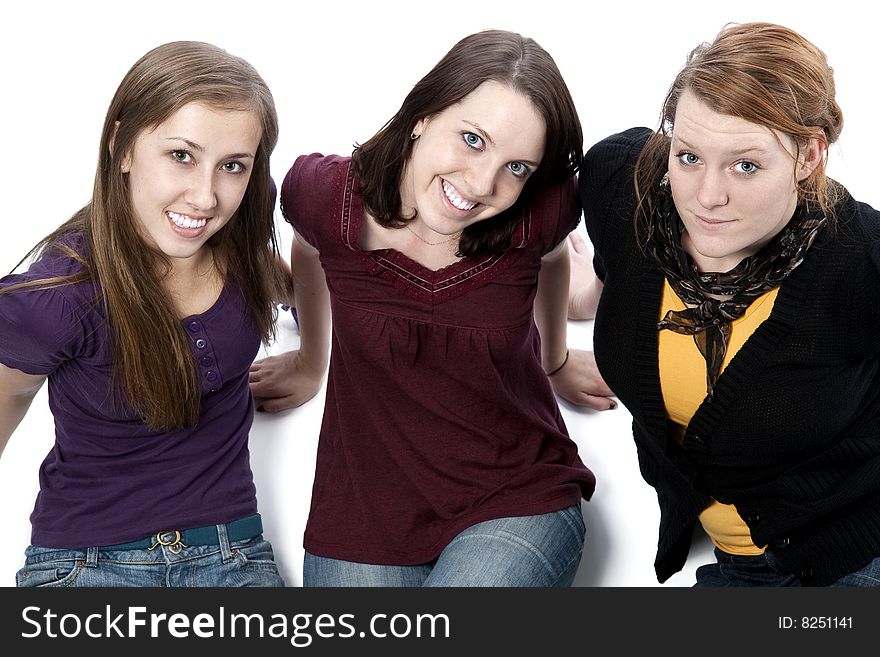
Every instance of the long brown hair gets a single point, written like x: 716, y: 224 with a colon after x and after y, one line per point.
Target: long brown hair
x: 766, y: 74
x: 505, y: 57
x: 153, y: 362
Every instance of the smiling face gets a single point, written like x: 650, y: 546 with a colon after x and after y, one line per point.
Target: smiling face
x: 188, y: 175
x: 734, y: 183
x: 471, y: 161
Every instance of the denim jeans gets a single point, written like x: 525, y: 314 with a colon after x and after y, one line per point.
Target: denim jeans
x: 542, y: 550
x: 761, y: 570
x: 230, y: 563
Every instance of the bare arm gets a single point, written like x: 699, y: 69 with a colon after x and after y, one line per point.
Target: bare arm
x: 294, y: 377
x: 585, y: 287
x: 284, y: 273
x: 551, y: 305
x: 17, y: 391
x: 578, y: 379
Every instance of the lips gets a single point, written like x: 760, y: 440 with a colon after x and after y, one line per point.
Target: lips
x: 456, y: 199
x: 712, y: 222
x: 186, y: 225
x: 186, y: 221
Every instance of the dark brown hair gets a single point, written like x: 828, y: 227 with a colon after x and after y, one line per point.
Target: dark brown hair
x: 766, y: 74
x: 505, y: 57
x: 153, y: 361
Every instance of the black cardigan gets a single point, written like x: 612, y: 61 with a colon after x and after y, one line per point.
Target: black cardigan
x: 792, y: 435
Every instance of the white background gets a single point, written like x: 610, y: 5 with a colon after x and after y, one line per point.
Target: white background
x: 338, y: 71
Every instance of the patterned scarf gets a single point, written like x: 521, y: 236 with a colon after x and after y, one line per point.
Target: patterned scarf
x: 708, y: 318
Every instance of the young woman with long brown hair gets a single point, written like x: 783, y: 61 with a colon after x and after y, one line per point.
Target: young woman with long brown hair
x: 144, y: 312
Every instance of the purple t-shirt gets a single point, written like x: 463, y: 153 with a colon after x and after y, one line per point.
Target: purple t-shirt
x: 438, y: 413
x: 110, y: 478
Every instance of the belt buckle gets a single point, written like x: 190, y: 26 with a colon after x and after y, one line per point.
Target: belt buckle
x: 175, y: 544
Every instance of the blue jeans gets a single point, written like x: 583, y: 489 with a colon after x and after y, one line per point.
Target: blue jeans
x: 247, y: 562
x: 542, y: 550
x: 761, y: 570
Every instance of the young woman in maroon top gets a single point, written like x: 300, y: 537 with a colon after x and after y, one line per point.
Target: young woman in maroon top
x: 439, y: 247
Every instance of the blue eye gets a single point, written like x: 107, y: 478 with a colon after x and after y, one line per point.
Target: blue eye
x: 746, y: 167
x: 688, y: 159
x: 519, y: 169
x: 472, y: 140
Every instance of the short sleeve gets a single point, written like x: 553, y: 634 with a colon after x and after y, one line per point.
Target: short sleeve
x: 40, y: 329
x: 558, y: 209
x: 306, y: 193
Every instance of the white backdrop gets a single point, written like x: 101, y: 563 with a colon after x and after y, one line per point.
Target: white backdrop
x: 338, y: 71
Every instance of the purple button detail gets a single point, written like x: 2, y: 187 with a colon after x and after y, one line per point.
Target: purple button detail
x: 207, y: 361
x: 211, y: 375
x: 201, y: 343
x: 194, y: 327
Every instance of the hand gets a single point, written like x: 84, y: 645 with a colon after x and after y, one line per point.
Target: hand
x: 285, y: 381
x: 580, y: 383
x: 584, y: 286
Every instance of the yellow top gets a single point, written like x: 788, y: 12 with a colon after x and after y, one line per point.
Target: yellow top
x: 683, y: 382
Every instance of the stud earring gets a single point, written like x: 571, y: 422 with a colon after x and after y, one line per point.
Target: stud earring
x: 414, y: 136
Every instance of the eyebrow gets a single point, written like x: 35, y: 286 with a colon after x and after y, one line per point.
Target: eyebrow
x: 737, y: 152
x: 196, y: 147
x: 485, y: 135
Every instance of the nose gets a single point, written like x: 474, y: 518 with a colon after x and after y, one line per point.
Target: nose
x: 712, y: 191
x: 201, y: 193
x: 480, y: 180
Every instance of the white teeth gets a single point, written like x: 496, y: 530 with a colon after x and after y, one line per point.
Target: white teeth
x: 456, y: 200
x: 183, y: 221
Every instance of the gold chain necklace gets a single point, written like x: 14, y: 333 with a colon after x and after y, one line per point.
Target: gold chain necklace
x: 422, y: 239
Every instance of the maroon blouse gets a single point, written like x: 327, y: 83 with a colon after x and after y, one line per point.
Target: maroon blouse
x: 438, y: 413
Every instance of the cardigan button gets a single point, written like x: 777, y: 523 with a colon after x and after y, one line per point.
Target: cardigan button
x: 782, y: 542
